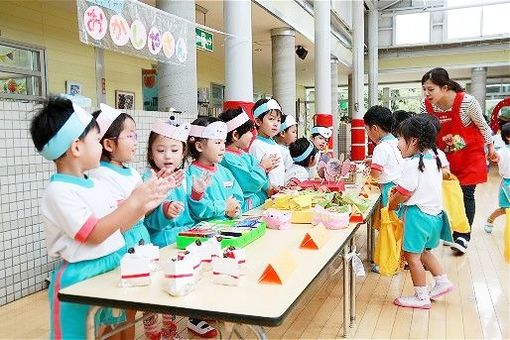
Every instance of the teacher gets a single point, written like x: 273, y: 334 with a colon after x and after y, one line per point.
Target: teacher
x: 463, y: 136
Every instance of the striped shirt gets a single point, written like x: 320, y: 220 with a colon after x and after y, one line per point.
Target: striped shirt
x: 470, y: 112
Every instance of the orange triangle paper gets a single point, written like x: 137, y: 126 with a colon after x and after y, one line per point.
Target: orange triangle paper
x: 279, y: 270
x: 315, y: 238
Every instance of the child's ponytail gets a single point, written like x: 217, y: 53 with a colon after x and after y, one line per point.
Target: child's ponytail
x: 438, y: 160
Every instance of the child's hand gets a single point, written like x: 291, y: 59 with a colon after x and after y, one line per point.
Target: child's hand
x: 494, y: 158
x: 178, y: 177
x: 232, y: 207
x: 150, y: 194
x: 174, y: 209
x: 447, y: 175
x: 269, y: 162
x: 201, y: 183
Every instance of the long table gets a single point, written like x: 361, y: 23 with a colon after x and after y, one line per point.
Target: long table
x: 251, y: 302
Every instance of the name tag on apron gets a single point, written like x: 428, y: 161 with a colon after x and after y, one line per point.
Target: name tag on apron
x: 228, y: 184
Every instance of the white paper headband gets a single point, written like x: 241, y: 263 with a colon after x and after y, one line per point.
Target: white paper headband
x: 323, y: 131
x: 270, y: 105
x: 106, y: 117
x: 165, y: 127
x: 236, y: 122
x: 216, y: 130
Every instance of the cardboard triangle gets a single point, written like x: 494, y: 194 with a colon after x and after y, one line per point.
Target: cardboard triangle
x: 270, y: 276
x: 315, y: 238
x: 279, y: 269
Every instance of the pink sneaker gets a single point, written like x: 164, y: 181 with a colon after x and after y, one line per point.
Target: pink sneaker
x: 412, y: 302
x: 440, y: 289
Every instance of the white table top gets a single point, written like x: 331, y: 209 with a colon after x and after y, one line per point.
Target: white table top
x: 250, y: 302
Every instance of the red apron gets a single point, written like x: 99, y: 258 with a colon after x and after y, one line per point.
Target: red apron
x: 463, y: 145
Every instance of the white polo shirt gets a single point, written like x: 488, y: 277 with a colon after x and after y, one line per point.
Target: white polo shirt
x: 504, y: 161
x: 423, y: 188
x: 387, y: 159
x: 119, y: 181
x: 71, y: 207
x: 297, y: 171
x: 262, y: 146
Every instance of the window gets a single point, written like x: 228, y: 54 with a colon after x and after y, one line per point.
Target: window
x: 412, y: 28
x: 495, y: 20
x: 22, y: 71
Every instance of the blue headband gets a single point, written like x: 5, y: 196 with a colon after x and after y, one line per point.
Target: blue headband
x: 270, y: 105
x: 305, y: 154
x: 70, y: 131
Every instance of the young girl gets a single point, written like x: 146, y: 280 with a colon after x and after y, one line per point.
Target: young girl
x: 249, y: 173
x: 387, y: 161
x: 287, y: 136
x: 215, y: 193
x: 82, y: 221
x: 419, y: 190
x: 503, y: 160
x: 166, y: 151
x: 305, y: 156
x: 268, y: 115
x: 117, y: 132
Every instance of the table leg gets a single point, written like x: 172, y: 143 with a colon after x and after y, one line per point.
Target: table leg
x: 346, y: 292
x: 91, y: 322
x: 258, y: 330
x: 352, y: 297
x: 369, y: 242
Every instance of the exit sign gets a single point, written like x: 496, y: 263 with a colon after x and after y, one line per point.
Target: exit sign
x: 204, y: 40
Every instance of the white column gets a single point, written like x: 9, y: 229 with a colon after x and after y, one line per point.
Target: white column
x: 334, y: 103
x: 479, y: 85
x: 177, y: 83
x: 283, y: 42
x: 373, y: 66
x: 358, y: 130
x: 238, y: 51
x: 322, y: 62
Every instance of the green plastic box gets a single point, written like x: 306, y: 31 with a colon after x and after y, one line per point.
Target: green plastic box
x: 238, y: 242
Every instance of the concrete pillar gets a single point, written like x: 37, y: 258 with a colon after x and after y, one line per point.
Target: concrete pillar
x: 386, y: 97
x: 373, y: 65
x: 100, y: 96
x: 322, y: 65
x: 479, y: 85
x: 238, y: 55
x: 350, y: 85
x: 177, y: 84
x: 334, y: 103
x: 358, y: 138
x: 283, y: 46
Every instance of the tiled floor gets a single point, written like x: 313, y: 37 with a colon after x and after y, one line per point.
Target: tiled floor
x: 477, y: 308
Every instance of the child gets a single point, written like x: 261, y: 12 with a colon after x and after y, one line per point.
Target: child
x: 320, y: 137
x: 387, y: 161
x: 166, y: 151
x: 82, y: 222
x: 287, y: 136
x: 268, y: 116
x: 400, y: 116
x: 305, y: 156
x: 215, y: 193
x: 249, y: 173
x: 503, y: 160
x: 419, y: 189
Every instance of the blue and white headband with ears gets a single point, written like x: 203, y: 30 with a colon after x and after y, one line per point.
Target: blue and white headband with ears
x: 67, y: 134
x: 323, y: 131
x: 271, y: 104
x: 289, y: 121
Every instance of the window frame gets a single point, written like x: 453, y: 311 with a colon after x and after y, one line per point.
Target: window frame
x: 42, y: 74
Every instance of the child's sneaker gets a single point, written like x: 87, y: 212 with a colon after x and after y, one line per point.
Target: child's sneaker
x: 412, y: 302
x: 150, y: 325
x: 202, y: 328
x: 440, y: 289
x: 488, y: 227
x: 375, y: 268
x: 460, y: 245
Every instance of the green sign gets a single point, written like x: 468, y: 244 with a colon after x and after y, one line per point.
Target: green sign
x: 204, y: 40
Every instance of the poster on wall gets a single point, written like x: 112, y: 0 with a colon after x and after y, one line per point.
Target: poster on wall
x: 150, y: 89
x: 132, y: 27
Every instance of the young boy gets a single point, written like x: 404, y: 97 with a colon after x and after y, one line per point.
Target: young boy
x: 81, y: 223
x: 305, y: 156
x: 320, y: 138
x: 287, y: 136
x: 387, y: 160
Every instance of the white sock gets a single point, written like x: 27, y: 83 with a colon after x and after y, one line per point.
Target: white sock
x: 440, y: 279
x: 422, y: 292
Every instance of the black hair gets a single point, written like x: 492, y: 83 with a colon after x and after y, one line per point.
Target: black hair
x: 48, y: 120
x: 380, y: 116
x: 230, y: 114
x: 505, y: 133
x: 299, y: 147
x: 440, y: 77
x: 200, y: 121
x: 423, y: 129
x: 261, y: 117
x: 400, y: 116
x: 113, y: 132
x: 152, y: 138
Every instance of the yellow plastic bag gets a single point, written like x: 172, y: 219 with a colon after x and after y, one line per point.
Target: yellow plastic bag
x: 453, y: 202
x: 388, y: 247
x: 506, y: 237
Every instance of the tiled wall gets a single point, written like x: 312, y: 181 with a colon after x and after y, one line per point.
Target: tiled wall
x: 24, y: 263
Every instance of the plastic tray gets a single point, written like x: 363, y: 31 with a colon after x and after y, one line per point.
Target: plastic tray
x: 238, y: 242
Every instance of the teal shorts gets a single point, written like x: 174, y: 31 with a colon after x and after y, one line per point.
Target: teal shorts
x: 421, y: 230
x: 504, y: 193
